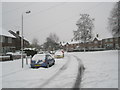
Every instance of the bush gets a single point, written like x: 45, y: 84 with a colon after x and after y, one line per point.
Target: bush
x: 30, y: 52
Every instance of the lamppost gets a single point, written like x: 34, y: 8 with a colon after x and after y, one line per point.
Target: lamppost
x: 22, y: 40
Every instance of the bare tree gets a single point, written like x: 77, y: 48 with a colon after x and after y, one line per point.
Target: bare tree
x: 35, y: 43
x: 54, y: 37
x: 114, y: 20
x: 51, y: 42
x: 85, y: 27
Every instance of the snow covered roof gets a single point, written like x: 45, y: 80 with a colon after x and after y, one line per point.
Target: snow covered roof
x: 29, y: 48
x: 70, y: 42
x: 5, y: 33
x: 98, y: 38
x: 63, y: 43
x: 76, y: 42
x: 73, y: 42
x: 16, y: 35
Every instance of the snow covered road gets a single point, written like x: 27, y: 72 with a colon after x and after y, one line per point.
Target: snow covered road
x: 61, y: 75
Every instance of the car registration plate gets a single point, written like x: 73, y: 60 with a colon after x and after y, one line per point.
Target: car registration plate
x: 37, y: 65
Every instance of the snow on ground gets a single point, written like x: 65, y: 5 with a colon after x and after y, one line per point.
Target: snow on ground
x: 62, y: 74
x: 101, y: 69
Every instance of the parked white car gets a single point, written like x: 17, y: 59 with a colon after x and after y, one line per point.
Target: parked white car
x: 59, y: 54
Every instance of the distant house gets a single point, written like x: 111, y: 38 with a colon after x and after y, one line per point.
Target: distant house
x: 111, y: 43
x: 95, y: 44
x: 10, y: 43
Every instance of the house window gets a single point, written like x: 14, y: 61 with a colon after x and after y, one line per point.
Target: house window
x: 111, y: 45
x: 2, y: 39
x: 9, y: 40
x: 106, y: 40
x: 116, y: 45
x: 111, y: 40
x: 95, y: 42
x: 116, y: 39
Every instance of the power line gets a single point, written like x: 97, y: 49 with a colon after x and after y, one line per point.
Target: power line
x: 15, y: 9
x: 57, y: 5
x: 69, y: 18
x: 54, y: 6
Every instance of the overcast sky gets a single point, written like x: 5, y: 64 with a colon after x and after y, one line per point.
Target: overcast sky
x: 54, y: 17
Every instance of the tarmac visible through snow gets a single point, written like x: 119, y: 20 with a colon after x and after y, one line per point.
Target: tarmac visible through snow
x: 80, y: 73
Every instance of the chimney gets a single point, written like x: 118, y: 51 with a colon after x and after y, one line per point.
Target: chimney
x: 17, y: 32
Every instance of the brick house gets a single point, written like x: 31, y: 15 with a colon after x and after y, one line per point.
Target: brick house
x: 95, y: 44
x: 111, y: 43
x: 9, y: 43
x: 104, y: 44
x: 6, y: 42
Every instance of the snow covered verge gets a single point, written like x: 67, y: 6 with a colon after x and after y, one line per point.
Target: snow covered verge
x: 101, y: 69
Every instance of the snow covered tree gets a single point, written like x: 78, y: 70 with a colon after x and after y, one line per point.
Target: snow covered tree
x: 85, y: 27
x: 114, y: 20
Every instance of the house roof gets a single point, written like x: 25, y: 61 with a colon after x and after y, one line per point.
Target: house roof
x: 95, y: 39
x: 4, y: 32
x: 63, y: 43
x: 73, y: 42
x: 16, y: 35
x: 76, y: 42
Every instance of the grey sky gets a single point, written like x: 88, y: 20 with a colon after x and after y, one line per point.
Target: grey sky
x: 51, y: 17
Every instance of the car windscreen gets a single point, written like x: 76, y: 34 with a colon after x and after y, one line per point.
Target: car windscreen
x: 38, y: 57
x: 58, y: 53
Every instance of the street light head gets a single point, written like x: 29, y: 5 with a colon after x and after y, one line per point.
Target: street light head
x: 28, y: 12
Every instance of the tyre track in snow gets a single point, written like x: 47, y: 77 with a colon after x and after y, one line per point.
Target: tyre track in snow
x: 64, y: 67
x: 80, y: 73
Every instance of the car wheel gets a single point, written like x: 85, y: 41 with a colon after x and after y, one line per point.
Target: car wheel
x: 33, y: 67
x: 53, y: 63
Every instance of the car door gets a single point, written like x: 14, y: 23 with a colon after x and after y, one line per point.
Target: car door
x: 50, y: 60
